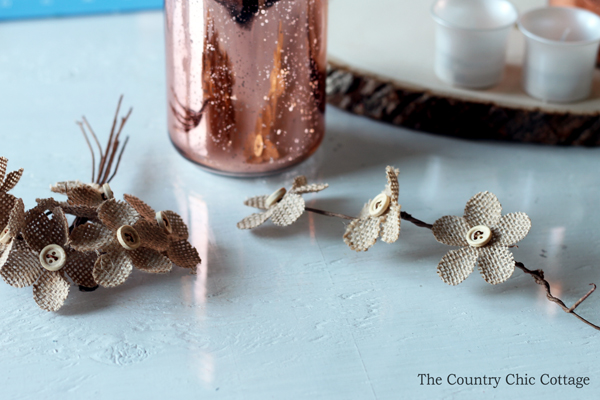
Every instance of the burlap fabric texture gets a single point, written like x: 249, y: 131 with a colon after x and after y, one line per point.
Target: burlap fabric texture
x: 83, y: 199
x: 494, y: 260
x: 115, y: 263
x: 7, y: 200
x: 286, y: 211
x: 362, y: 233
x: 20, y: 265
x: 178, y: 249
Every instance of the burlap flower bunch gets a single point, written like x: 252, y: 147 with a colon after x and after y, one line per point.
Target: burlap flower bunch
x: 107, y: 239
x: 483, y: 233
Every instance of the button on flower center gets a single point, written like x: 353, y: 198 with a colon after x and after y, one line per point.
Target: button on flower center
x: 379, y: 205
x: 275, y: 197
x: 128, y: 237
x: 53, y: 257
x: 5, y: 236
x: 163, y: 222
x: 479, y: 236
x: 107, y: 192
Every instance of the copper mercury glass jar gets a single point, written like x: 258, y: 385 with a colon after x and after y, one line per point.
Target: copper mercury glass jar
x: 246, y: 82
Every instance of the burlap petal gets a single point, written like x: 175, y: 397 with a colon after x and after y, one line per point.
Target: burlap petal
x: 11, y: 180
x: 183, y: 254
x: 142, y: 208
x: 50, y: 291
x: 362, y: 233
x: 40, y: 230
x: 288, y: 210
x: 85, y: 196
x: 7, y: 202
x: 254, y: 220
x: 19, y: 266
x: 180, y: 230
x: 79, y: 267
x: 113, y: 268
x: 299, y: 181
x: 392, y: 188
x: 312, y: 188
x: 456, y: 265
x: 496, y: 264
x: 257, y: 202
x: 114, y: 214
x: 65, y: 187
x: 390, y: 227
x: 483, y: 209
x: 151, y: 235
x: 91, y: 237
x: 451, y: 230
x: 151, y: 261
x: 16, y: 220
x: 3, y: 165
x: 512, y: 228
x: 91, y: 213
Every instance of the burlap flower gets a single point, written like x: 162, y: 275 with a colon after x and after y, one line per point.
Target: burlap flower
x: 124, y: 240
x: 7, y: 200
x: 42, y: 258
x: 83, y: 199
x: 380, y: 216
x: 283, y: 207
x: 485, y: 236
x: 179, y: 250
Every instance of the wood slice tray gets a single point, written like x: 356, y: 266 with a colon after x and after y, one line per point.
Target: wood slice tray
x: 381, y: 66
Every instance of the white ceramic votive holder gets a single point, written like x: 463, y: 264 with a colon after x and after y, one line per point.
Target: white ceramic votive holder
x: 471, y: 37
x: 562, y: 44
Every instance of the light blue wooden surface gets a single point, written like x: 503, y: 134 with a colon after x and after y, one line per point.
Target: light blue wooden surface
x: 286, y: 313
x: 20, y: 9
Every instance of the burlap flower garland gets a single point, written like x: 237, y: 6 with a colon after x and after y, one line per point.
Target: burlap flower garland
x: 107, y: 238
x: 483, y: 234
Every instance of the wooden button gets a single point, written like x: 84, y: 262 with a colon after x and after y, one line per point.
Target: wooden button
x: 379, y: 205
x: 479, y: 236
x: 128, y: 237
x: 5, y: 236
x: 107, y: 193
x: 275, y: 197
x: 164, y: 223
x: 53, y: 257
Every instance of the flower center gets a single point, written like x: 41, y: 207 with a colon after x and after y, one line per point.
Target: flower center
x: 275, y: 197
x: 128, y: 237
x: 53, y: 257
x: 379, y: 205
x: 5, y: 236
x: 479, y: 236
x: 107, y: 192
x: 164, y: 223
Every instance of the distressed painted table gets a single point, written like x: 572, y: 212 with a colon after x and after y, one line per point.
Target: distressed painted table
x: 286, y: 313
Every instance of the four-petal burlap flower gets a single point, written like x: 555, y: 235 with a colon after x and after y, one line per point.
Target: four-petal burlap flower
x: 485, y: 236
x: 83, y: 199
x: 283, y: 208
x: 42, y: 258
x: 124, y: 240
x: 179, y: 250
x: 380, y: 216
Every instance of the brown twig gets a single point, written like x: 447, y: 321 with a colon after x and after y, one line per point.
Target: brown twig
x: 538, y: 275
x: 90, y: 147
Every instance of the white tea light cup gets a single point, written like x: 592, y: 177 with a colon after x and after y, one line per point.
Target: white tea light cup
x: 471, y: 38
x: 561, y: 49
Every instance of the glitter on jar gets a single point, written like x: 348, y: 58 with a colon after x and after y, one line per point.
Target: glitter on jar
x: 246, y: 81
